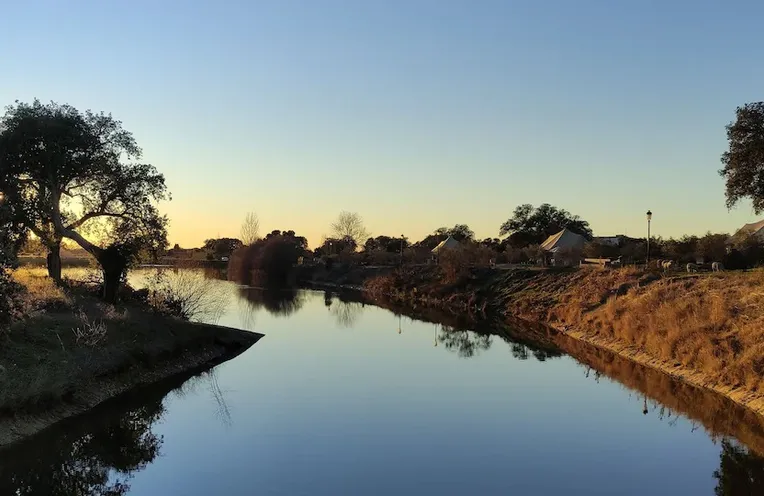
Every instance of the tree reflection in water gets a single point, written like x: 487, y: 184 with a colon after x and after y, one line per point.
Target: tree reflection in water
x: 97, y: 453
x: 466, y: 343
x: 346, y: 313
x: 95, y: 457
x: 278, y: 302
x: 740, y: 471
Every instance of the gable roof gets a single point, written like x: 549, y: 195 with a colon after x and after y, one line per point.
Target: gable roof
x: 563, y: 240
x: 449, y: 242
x: 753, y: 228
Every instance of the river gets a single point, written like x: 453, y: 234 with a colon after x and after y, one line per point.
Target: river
x: 346, y: 398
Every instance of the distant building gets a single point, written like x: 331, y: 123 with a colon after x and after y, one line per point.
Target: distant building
x: 616, y: 240
x: 447, y: 244
x: 754, y: 229
x: 564, y: 248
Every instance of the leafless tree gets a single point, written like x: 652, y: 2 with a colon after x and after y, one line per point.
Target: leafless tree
x: 350, y: 225
x: 250, y: 229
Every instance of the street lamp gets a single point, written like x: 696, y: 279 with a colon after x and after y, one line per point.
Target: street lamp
x: 402, y: 239
x: 649, y: 218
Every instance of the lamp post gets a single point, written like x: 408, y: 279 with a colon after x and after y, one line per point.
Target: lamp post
x: 402, y: 239
x: 649, y: 218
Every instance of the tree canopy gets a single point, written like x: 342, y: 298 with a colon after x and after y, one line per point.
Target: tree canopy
x: 64, y: 170
x: 530, y: 225
x: 744, y: 160
x: 389, y: 244
x: 223, y: 247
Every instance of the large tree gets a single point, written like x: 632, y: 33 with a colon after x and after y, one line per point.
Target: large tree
x: 350, y: 225
x: 744, y: 161
x: 530, y: 225
x: 67, y: 171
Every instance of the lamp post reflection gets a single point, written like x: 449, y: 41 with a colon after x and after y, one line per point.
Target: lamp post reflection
x: 399, y: 324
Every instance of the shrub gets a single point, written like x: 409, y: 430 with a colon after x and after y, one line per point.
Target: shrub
x: 187, y: 293
x: 268, y: 262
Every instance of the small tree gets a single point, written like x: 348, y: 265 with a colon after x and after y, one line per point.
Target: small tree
x: 250, y: 229
x: 744, y: 160
x: 350, y: 225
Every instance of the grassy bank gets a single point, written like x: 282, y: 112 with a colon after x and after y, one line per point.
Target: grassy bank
x: 707, y: 329
x: 71, y: 351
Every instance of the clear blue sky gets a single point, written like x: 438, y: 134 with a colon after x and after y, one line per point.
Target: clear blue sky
x: 416, y: 114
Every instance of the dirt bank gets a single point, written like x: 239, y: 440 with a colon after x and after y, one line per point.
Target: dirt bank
x: 70, y: 352
x: 707, y: 329
x: 85, y: 392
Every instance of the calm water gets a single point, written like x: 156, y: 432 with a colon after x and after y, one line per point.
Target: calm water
x: 344, y: 398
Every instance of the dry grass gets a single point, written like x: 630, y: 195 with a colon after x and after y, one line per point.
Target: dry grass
x: 72, y: 338
x: 41, y: 293
x: 714, y: 324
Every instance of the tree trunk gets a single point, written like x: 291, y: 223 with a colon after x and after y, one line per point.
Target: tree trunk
x: 114, y: 265
x: 53, y: 261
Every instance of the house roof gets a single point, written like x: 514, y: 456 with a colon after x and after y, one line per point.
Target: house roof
x: 752, y: 228
x: 449, y: 242
x: 562, y: 240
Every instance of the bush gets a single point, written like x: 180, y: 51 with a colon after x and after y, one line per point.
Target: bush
x: 268, y: 262
x: 187, y: 293
x: 10, y: 290
x: 456, y: 263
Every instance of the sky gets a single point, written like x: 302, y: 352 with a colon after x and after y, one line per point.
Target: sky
x: 415, y: 114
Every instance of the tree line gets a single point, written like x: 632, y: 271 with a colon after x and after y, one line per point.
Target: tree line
x: 69, y: 174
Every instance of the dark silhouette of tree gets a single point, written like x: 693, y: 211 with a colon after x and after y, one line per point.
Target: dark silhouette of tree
x: 740, y: 471
x: 269, y: 261
x: 64, y: 170
x: 335, y: 246
x: 250, y: 229
x: 12, y: 237
x: 712, y: 247
x: 530, y: 225
x: 744, y: 160
x: 388, y: 244
x: 350, y: 225
x: 222, y: 247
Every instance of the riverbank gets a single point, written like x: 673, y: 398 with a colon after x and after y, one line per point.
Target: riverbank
x: 71, y: 352
x: 707, y: 329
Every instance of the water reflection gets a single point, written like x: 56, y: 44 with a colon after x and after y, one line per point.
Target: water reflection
x: 97, y: 453
x: 740, y: 471
x: 281, y: 303
x: 465, y: 343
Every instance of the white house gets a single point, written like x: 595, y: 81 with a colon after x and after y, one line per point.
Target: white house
x: 447, y: 244
x: 562, y: 247
x: 610, y: 240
